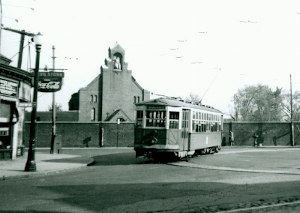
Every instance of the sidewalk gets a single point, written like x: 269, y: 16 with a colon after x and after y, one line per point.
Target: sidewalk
x: 45, y: 164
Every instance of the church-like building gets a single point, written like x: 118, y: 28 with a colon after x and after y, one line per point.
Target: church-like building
x: 112, y: 95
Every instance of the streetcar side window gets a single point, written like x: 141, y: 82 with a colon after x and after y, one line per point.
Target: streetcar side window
x: 185, y: 119
x: 196, y: 126
x: 173, y: 120
x: 155, y: 118
x: 139, y: 118
x: 203, y: 125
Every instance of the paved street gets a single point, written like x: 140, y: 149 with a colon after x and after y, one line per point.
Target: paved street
x: 248, y: 179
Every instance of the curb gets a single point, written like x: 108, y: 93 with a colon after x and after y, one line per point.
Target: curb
x: 35, y: 174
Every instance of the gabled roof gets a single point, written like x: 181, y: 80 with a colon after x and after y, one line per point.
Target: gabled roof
x: 176, y: 103
x: 117, y: 113
x: 136, y: 83
x: 87, y: 86
x: 117, y: 46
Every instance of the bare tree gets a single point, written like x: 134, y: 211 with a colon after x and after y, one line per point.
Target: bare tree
x: 258, y: 103
x: 286, y: 106
x: 194, y: 98
x: 58, y: 107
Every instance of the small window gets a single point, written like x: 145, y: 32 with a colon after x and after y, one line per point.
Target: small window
x: 134, y: 99
x: 138, y: 99
x: 93, y: 112
x: 92, y: 98
x: 121, y: 119
x: 95, y: 98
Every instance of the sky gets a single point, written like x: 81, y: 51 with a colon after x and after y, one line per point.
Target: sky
x: 210, y: 48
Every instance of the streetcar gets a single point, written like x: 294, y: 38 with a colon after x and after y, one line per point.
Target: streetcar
x: 170, y: 127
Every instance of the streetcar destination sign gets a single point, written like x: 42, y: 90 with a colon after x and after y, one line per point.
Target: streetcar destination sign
x: 155, y: 107
x: 50, y: 81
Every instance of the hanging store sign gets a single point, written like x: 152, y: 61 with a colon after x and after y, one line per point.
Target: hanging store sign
x: 24, y: 92
x: 50, y: 81
x: 8, y: 88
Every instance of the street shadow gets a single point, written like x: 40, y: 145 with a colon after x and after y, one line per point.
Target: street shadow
x: 30, y: 211
x: 83, y: 160
x: 192, y: 195
x: 120, y: 159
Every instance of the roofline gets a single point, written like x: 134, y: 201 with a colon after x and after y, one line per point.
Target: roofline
x: 176, y: 103
x: 136, y: 83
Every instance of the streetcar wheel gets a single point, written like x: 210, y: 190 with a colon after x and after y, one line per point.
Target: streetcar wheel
x: 216, y: 149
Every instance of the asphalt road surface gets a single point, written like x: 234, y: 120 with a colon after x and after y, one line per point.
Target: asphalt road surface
x: 233, y: 180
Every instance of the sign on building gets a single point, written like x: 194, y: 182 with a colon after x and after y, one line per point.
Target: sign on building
x: 8, y: 88
x: 50, y: 81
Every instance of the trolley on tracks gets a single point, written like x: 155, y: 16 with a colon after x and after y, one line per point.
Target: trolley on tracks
x: 173, y: 127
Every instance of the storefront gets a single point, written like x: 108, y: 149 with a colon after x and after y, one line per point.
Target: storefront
x: 15, y: 93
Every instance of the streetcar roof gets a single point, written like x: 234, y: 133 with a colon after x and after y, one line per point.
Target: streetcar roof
x: 176, y: 103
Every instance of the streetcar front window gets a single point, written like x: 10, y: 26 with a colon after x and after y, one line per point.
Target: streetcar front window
x: 174, y: 120
x: 139, y: 118
x: 155, y: 118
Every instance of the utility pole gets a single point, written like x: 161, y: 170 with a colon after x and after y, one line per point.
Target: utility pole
x: 53, y: 107
x: 23, y: 33
x: 51, y: 70
x: 292, y: 125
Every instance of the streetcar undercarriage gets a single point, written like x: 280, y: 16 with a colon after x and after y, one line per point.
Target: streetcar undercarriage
x: 174, y: 154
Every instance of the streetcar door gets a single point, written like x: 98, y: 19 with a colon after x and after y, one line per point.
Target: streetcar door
x: 185, y: 129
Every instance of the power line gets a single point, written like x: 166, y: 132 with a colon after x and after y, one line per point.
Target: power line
x: 18, y: 6
x: 19, y: 51
x: 210, y: 84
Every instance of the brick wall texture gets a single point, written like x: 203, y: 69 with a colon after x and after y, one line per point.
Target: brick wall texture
x: 269, y: 133
x: 101, y: 134
x: 76, y: 134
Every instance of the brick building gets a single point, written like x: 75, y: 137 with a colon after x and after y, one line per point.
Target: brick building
x: 112, y: 94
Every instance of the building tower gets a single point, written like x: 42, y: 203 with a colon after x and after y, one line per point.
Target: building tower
x: 112, y: 94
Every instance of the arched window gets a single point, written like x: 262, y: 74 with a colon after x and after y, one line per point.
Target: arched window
x: 95, y: 99
x: 117, y: 58
x: 134, y: 99
x: 92, y: 98
x: 93, y: 114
